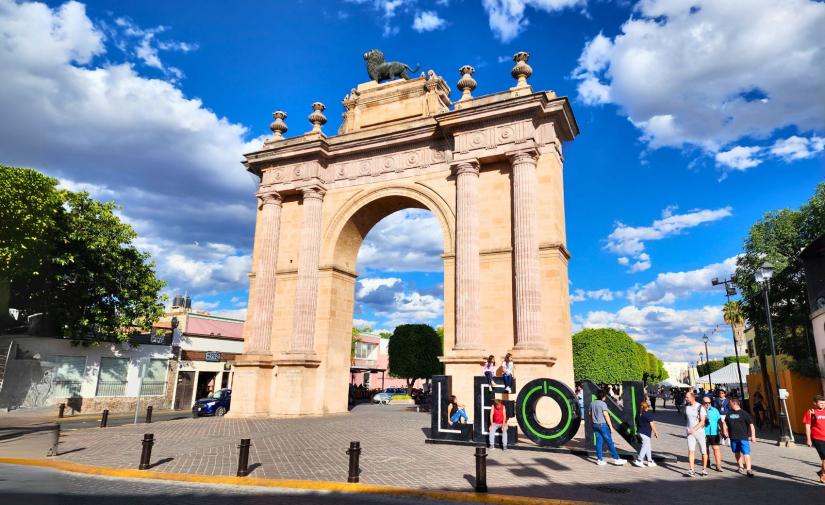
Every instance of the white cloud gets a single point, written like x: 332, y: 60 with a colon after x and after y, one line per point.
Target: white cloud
x: 387, y: 11
x: 671, y: 286
x: 508, y: 17
x: 100, y: 126
x: 148, y: 45
x: 411, y: 308
x: 231, y: 313
x: 604, y: 294
x: 797, y: 148
x: 739, y: 158
x: 406, y: 241
x: 360, y: 323
x: 428, y: 21
x: 671, y: 334
x: 708, y: 73
x: 630, y: 240
x: 370, y: 285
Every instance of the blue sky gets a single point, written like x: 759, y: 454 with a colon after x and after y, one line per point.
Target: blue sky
x: 696, y: 117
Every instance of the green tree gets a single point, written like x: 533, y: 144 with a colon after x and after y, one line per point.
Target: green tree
x: 732, y: 359
x: 385, y: 334
x: 734, y: 314
x: 605, y: 356
x: 95, y: 284
x: 714, y: 365
x: 413, y: 352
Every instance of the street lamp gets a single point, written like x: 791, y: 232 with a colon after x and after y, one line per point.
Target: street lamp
x: 763, y: 276
x: 730, y: 290
x: 707, y: 359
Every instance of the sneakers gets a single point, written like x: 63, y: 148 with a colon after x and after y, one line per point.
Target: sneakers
x: 704, y: 472
x: 618, y: 462
x: 601, y: 462
x: 750, y: 473
x: 651, y: 463
x: 718, y: 469
x: 741, y: 470
x: 637, y: 462
x: 691, y: 473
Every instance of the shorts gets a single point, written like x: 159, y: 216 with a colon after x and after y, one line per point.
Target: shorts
x: 712, y: 439
x: 743, y: 446
x: 698, y: 437
x: 819, y: 445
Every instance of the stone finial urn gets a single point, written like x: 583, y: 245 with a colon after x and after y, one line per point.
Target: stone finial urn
x: 278, y: 126
x: 466, y: 84
x: 317, y: 117
x: 521, y: 71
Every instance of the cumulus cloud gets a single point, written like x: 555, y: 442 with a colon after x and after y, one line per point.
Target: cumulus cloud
x: 406, y: 241
x: 629, y: 241
x: 739, y: 158
x: 392, y: 302
x: 508, y: 18
x: 100, y: 126
x: 708, y: 73
x: 427, y: 21
x: 798, y: 148
x: 147, y: 46
x: 671, y: 286
x: 671, y: 334
x: 604, y: 294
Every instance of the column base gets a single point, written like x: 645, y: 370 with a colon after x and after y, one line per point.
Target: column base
x: 251, y: 385
x: 296, y: 391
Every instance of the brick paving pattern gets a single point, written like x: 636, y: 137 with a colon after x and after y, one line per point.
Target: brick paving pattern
x: 394, y: 453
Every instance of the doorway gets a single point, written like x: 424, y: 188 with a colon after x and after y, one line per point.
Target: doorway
x: 206, y: 384
x: 183, y: 393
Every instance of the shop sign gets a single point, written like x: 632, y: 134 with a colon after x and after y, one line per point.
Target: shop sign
x: 213, y: 356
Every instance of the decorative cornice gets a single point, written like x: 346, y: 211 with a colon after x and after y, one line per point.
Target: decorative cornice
x: 466, y: 167
x: 268, y: 196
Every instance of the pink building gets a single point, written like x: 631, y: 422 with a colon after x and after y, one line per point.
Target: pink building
x: 371, y: 363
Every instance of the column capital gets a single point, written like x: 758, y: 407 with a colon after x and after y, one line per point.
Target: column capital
x: 313, y: 192
x: 465, y: 167
x: 268, y: 196
x: 523, y: 156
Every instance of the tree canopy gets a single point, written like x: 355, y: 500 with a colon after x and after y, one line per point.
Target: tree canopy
x: 608, y: 356
x: 70, y: 257
x: 413, y: 352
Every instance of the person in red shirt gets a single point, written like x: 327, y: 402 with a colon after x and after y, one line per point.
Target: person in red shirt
x: 814, y: 420
x: 498, y: 419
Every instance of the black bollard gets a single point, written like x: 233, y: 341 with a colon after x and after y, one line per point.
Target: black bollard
x: 243, y: 457
x: 354, y: 452
x: 146, y: 452
x: 149, y: 414
x: 104, y: 418
x: 481, y: 470
x: 60, y: 410
x: 53, y: 450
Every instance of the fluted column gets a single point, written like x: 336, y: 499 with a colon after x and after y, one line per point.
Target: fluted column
x: 467, y: 277
x: 306, y: 296
x: 269, y: 204
x: 526, y: 250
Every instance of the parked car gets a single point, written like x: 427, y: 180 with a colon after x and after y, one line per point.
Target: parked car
x: 216, y: 404
x: 386, y: 395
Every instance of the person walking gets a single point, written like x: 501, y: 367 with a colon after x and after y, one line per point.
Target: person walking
x: 580, y: 399
x: 759, y: 409
x: 738, y: 426
x: 712, y: 435
x: 507, y: 374
x: 600, y: 417
x: 490, y: 370
x: 498, y: 419
x: 723, y: 405
x: 695, y: 414
x: 814, y: 420
x: 647, y: 429
x: 679, y: 399
x: 652, y: 394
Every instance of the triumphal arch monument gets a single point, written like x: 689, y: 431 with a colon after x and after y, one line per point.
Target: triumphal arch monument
x: 488, y: 167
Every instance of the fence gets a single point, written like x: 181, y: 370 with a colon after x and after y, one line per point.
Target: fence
x: 66, y: 388
x: 111, y: 388
x: 153, y: 388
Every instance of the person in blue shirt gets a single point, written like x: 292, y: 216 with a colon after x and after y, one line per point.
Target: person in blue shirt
x: 712, y: 431
x: 723, y: 404
x: 647, y: 429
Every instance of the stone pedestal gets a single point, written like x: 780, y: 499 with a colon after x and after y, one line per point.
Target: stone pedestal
x: 253, y: 379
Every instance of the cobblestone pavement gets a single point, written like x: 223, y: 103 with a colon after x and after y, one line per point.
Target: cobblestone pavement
x: 394, y: 453
x: 39, y: 486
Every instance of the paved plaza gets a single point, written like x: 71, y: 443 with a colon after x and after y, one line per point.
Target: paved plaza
x: 394, y: 453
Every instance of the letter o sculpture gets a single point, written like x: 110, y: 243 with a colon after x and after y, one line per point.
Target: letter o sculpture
x: 542, y: 435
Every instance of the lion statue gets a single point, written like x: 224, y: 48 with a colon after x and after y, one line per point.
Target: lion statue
x: 380, y: 70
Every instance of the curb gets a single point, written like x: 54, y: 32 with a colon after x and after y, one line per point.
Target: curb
x: 338, y: 487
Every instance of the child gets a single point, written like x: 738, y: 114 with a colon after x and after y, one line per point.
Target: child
x: 460, y: 415
x: 490, y: 370
x: 646, y: 427
x: 508, y: 372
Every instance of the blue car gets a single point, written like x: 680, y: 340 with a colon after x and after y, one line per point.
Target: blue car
x: 216, y: 404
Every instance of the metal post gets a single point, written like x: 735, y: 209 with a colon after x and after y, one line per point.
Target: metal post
x: 783, y: 421
x: 354, y: 452
x: 146, y: 451
x: 60, y: 409
x: 149, y: 414
x: 243, y: 457
x: 481, y: 470
x: 707, y: 360
x: 736, y: 350
x: 54, y: 449
x: 104, y: 419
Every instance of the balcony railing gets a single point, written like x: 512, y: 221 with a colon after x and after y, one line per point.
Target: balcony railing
x: 111, y: 388
x: 153, y: 388
x: 66, y: 388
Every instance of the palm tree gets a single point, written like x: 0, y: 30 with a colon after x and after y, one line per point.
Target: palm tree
x: 735, y: 316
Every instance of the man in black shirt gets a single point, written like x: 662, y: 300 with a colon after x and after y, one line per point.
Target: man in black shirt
x: 738, y: 426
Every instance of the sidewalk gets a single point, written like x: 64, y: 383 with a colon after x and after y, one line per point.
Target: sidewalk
x: 394, y: 453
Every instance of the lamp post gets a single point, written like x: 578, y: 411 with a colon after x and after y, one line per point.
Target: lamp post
x: 763, y: 276
x: 730, y: 290
x: 698, y: 364
x: 707, y: 359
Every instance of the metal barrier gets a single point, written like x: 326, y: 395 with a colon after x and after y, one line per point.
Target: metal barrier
x: 354, y: 452
x: 481, y: 470
x: 146, y: 451
x: 104, y: 419
x: 243, y: 457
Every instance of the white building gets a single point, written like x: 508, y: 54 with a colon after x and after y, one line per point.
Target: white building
x: 677, y: 370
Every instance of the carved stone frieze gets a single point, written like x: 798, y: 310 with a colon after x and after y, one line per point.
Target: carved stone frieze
x: 490, y: 137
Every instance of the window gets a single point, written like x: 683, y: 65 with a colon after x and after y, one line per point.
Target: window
x: 364, y: 350
x: 113, y: 376
x: 68, y: 375
x: 154, y: 380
